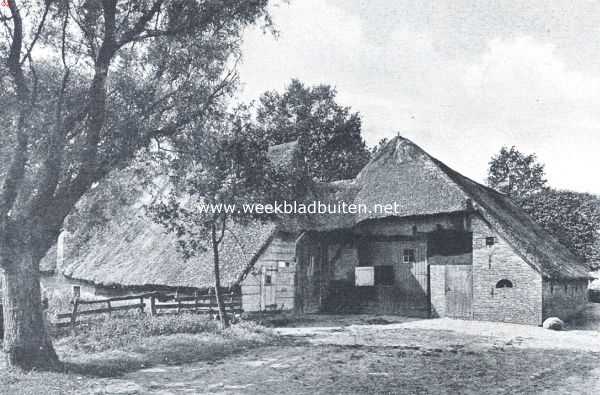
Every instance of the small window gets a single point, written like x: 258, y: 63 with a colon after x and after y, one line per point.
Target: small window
x: 504, y: 283
x: 268, y: 280
x: 490, y: 241
x: 408, y: 255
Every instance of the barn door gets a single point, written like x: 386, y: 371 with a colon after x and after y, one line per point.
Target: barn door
x: 268, y: 286
x: 308, y: 289
x: 459, y: 291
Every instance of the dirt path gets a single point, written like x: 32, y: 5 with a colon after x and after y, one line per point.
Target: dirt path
x: 409, y: 356
x: 443, y: 332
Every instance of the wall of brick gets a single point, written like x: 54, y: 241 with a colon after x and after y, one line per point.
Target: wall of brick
x: 564, y: 299
x: 520, y: 304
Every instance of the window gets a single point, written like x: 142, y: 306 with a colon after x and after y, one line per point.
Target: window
x: 490, y: 241
x: 504, y: 283
x: 408, y: 255
x: 268, y: 280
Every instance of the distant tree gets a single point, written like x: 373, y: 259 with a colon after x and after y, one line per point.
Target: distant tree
x: 376, y: 148
x: 516, y: 174
x: 222, y: 168
x: 328, y: 133
x: 572, y: 217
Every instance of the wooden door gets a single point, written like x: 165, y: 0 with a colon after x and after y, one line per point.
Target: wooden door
x: 459, y: 291
x: 411, y: 274
x: 268, y: 286
x: 308, y: 271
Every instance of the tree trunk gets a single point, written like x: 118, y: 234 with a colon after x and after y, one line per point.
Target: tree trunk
x: 27, y: 344
x: 222, y: 314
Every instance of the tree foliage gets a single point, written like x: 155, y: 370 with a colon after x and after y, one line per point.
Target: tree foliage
x: 86, y: 85
x: 328, y: 133
x: 572, y: 217
x: 223, y: 167
x: 516, y: 174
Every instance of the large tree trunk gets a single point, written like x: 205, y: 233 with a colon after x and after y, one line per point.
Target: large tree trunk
x: 27, y: 344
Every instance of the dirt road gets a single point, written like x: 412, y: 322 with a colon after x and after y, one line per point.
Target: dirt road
x: 406, y: 356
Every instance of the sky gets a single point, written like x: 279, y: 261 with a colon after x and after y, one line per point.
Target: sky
x: 459, y: 78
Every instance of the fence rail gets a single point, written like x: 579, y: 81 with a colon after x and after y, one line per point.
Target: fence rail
x: 199, y: 303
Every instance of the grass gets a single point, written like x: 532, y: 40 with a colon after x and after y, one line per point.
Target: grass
x: 112, y: 346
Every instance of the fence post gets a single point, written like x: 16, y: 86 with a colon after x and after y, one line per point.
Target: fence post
x: 74, y: 312
x: 152, y: 305
x: 142, y: 305
x: 109, y: 307
x: 76, y: 291
x: 210, y: 304
x: 178, y: 301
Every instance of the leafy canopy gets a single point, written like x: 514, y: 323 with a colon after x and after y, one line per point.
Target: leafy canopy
x: 516, y: 174
x: 224, y: 166
x: 328, y: 133
x: 572, y: 217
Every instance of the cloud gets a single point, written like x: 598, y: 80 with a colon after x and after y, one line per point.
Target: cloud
x: 512, y: 89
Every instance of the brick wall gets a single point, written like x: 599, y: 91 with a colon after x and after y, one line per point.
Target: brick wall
x: 564, y: 299
x: 520, y: 304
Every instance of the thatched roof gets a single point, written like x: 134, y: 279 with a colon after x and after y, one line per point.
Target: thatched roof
x: 402, y: 172
x: 140, y: 253
x: 132, y: 250
x: 540, y: 249
x: 421, y: 185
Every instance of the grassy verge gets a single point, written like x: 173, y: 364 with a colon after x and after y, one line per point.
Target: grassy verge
x: 111, y: 346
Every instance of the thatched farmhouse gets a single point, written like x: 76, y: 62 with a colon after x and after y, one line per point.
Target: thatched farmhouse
x: 450, y: 247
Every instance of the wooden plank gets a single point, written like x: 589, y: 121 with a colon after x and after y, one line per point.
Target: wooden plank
x: 110, y: 309
x: 459, y: 291
x: 192, y: 305
x: 117, y: 298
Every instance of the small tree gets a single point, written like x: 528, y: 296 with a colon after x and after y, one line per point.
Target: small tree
x: 516, y: 174
x: 224, y: 168
x: 329, y: 134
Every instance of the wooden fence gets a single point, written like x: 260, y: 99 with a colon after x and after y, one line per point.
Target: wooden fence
x: 152, y: 303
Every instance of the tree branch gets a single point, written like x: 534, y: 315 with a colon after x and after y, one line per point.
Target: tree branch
x: 16, y: 172
x: 139, y: 26
x: 38, y: 31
